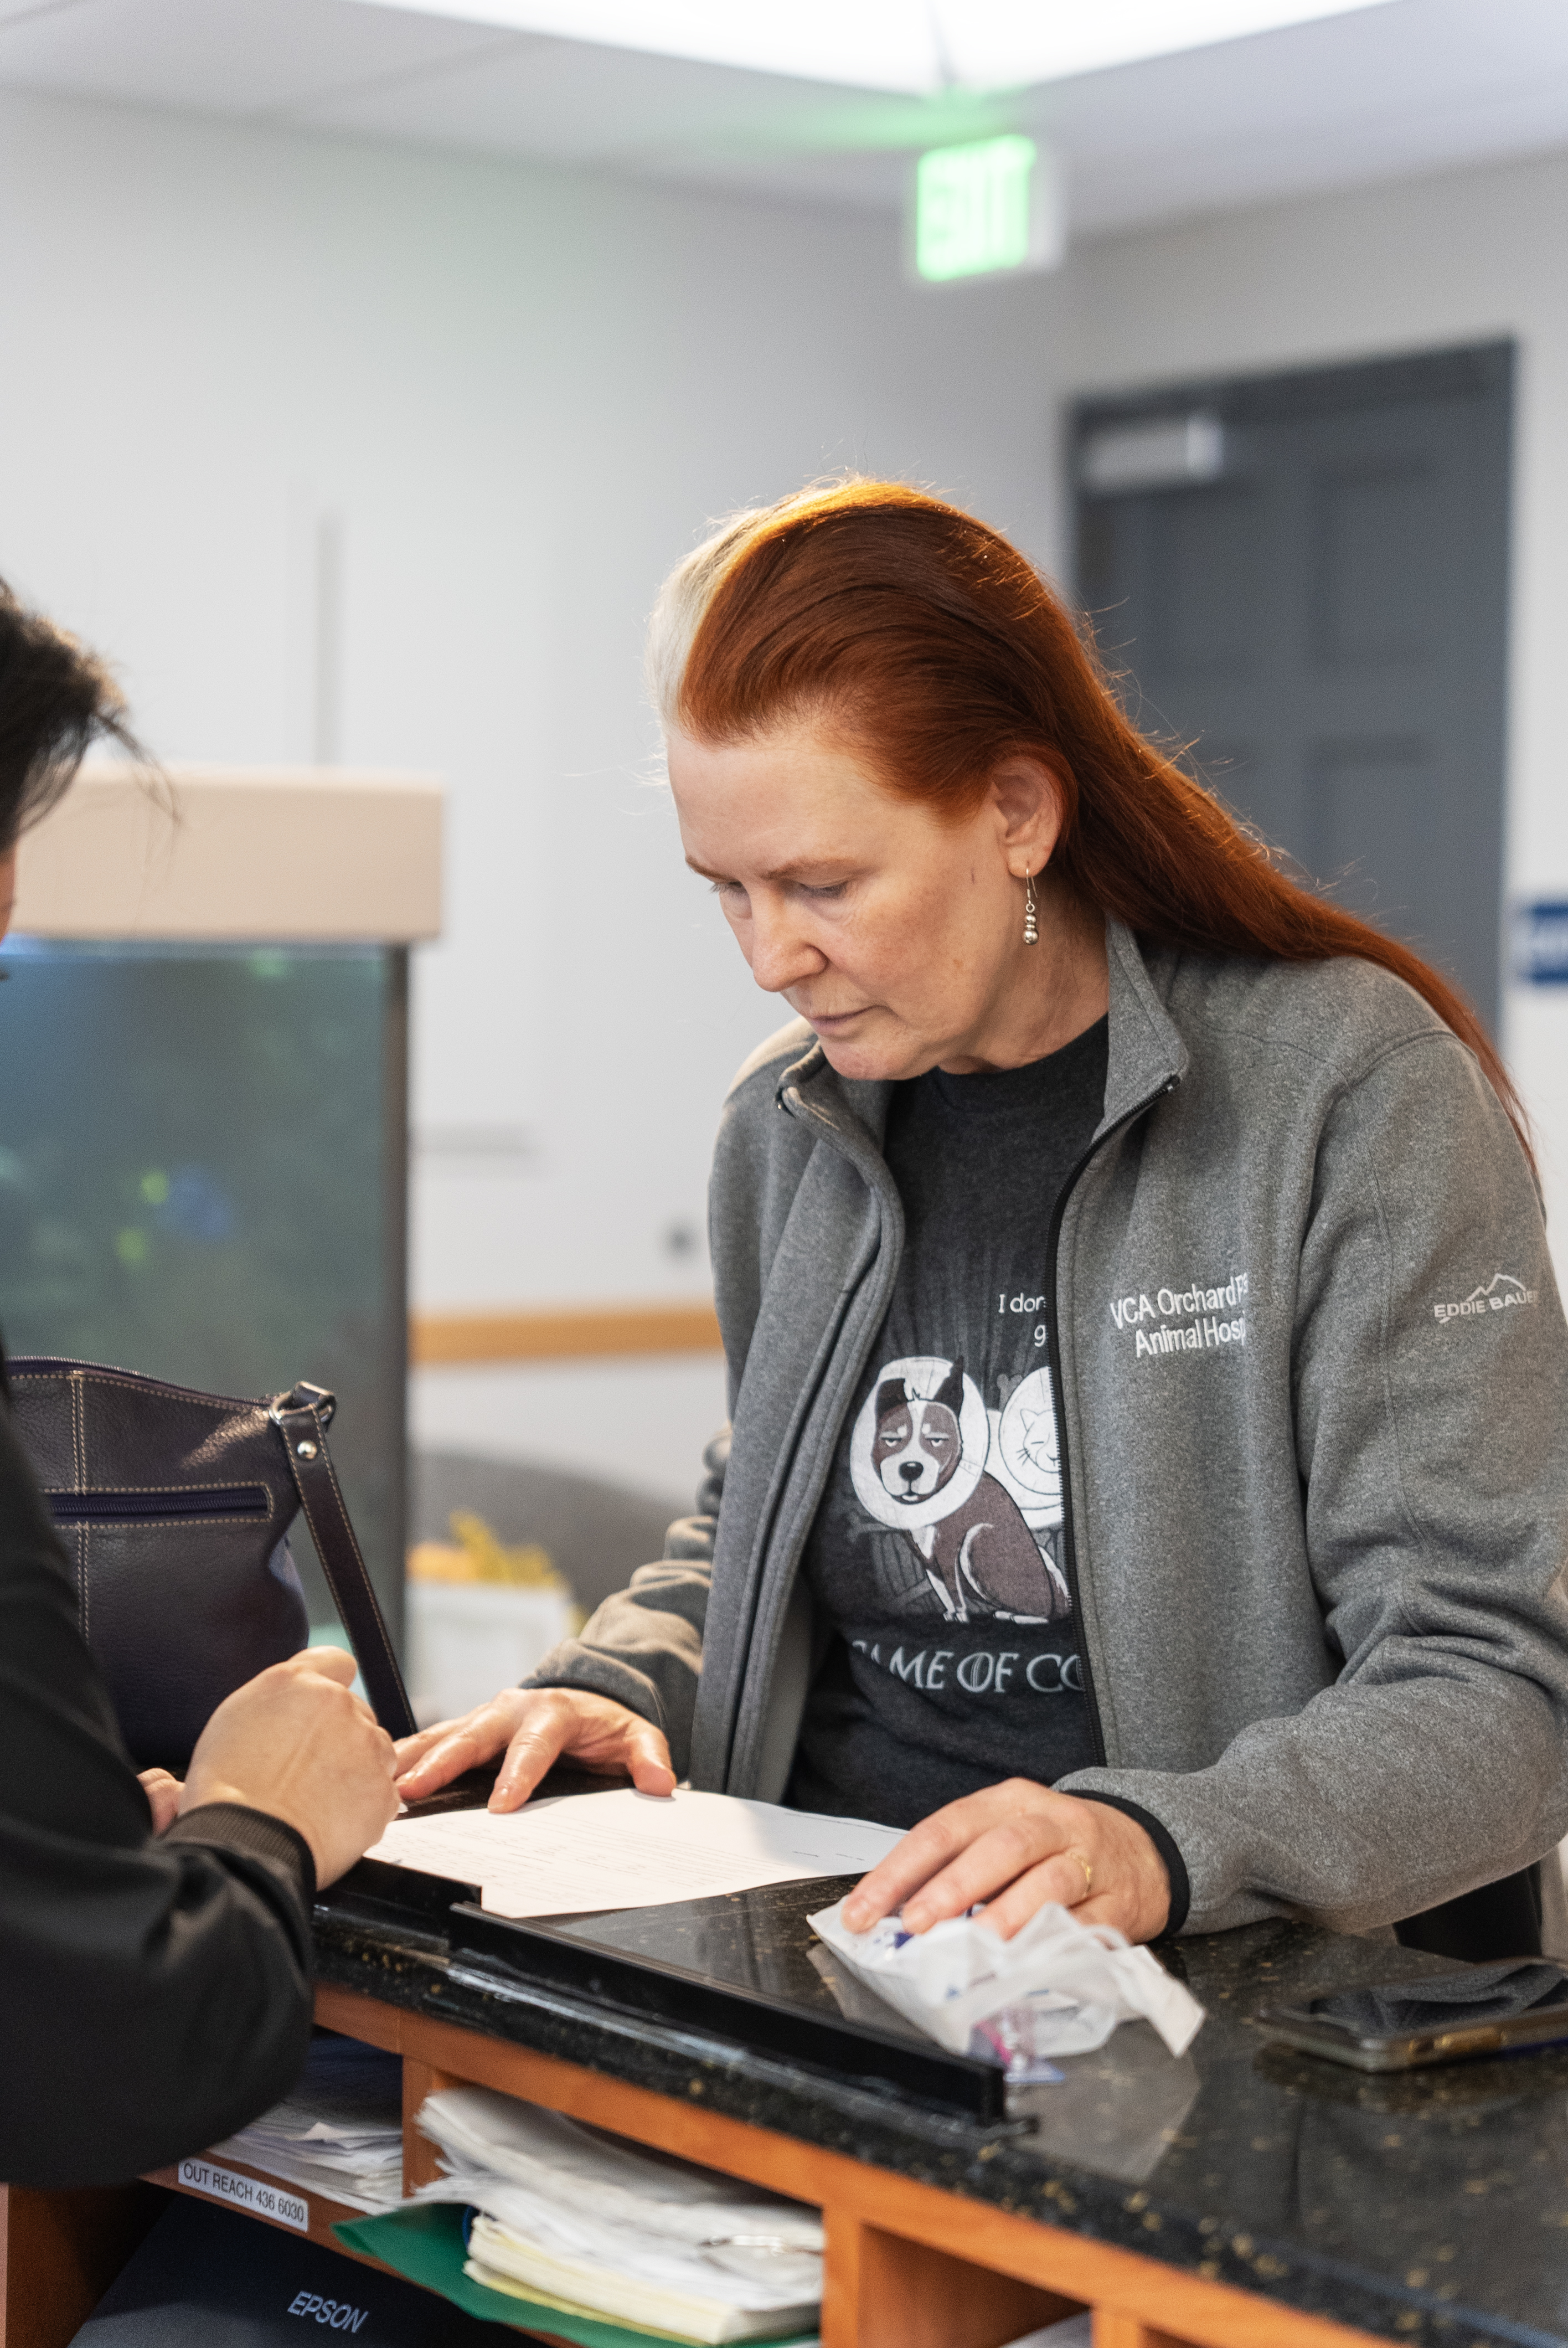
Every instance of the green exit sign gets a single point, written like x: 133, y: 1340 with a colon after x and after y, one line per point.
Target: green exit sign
x: 976, y: 209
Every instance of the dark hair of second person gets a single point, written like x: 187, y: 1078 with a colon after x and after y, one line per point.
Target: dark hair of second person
x: 56, y: 700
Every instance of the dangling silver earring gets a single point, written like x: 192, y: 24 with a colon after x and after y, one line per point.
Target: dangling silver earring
x: 1031, y: 927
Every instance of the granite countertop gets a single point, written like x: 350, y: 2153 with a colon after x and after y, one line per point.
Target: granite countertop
x: 1428, y: 2206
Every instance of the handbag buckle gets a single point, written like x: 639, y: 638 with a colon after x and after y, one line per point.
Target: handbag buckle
x: 318, y: 1401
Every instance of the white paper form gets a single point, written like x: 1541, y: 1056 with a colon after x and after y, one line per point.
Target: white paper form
x: 576, y: 1852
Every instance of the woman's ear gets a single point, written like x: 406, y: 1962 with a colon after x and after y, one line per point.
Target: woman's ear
x: 1031, y: 806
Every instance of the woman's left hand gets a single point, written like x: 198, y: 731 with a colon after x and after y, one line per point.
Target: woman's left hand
x: 163, y: 1794
x: 1016, y: 1847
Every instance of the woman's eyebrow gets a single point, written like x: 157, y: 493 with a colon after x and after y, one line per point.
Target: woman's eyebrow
x: 778, y: 872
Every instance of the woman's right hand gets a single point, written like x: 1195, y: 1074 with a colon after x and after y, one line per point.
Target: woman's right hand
x: 535, y: 1727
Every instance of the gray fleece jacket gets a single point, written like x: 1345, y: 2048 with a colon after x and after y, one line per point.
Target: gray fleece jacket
x: 1312, y: 1387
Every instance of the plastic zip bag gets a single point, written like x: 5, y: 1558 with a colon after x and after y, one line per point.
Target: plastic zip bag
x: 1058, y: 1987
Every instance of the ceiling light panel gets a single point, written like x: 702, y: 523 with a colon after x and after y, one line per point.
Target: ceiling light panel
x: 1007, y: 43
x: 900, y: 45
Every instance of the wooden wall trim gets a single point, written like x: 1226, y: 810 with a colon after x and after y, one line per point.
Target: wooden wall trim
x: 562, y: 1333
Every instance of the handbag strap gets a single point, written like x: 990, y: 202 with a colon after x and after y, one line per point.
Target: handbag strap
x: 302, y: 1417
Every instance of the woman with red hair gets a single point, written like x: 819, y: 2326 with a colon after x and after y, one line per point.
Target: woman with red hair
x: 1148, y: 1480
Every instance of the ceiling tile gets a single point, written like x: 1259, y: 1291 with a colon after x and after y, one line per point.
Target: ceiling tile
x: 574, y: 100
x: 228, y: 57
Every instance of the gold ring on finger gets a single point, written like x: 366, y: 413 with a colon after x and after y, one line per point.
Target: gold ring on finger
x: 1088, y: 1870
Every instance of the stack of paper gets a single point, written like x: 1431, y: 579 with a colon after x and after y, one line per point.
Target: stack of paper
x: 567, y: 2218
x: 340, y: 2132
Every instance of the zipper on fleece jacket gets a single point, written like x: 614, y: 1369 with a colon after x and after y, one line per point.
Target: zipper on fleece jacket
x: 1068, y: 1537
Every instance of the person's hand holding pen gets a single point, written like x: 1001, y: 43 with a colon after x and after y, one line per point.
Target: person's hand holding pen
x: 535, y: 1727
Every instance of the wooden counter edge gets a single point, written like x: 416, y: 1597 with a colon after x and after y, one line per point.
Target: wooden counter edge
x: 1131, y: 2289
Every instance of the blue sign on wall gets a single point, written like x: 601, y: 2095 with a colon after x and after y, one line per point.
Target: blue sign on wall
x: 1544, y: 946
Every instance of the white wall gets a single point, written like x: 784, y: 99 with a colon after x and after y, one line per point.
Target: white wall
x: 640, y: 1422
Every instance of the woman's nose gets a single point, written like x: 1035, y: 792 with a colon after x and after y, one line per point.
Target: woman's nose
x: 780, y: 955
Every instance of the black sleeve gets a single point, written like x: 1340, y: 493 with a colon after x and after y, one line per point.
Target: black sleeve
x: 157, y: 1992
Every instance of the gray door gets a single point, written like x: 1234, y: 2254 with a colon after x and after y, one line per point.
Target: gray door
x: 1304, y: 578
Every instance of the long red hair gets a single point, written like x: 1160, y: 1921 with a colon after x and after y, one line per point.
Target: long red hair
x: 921, y: 635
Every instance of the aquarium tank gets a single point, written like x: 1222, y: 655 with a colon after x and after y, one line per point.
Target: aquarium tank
x: 203, y: 1166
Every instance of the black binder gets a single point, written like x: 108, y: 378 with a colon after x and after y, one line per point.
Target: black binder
x: 206, y: 2279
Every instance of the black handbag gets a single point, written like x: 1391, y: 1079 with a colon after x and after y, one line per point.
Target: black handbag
x: 175, y: 1507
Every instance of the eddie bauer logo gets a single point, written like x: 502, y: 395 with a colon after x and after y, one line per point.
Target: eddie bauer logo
x: 1499, y: 1291
x: 1209, y: 1328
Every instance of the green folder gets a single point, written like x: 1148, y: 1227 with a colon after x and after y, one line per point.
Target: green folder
x: 424, y: 2242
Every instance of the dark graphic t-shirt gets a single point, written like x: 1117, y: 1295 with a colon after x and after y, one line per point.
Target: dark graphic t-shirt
x: 937, y: 1550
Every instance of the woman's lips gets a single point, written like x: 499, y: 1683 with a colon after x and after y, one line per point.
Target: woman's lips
x: 827, y: 1022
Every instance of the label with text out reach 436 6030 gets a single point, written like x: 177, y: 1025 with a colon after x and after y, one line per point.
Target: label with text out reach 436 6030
x: 242, y: 2192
